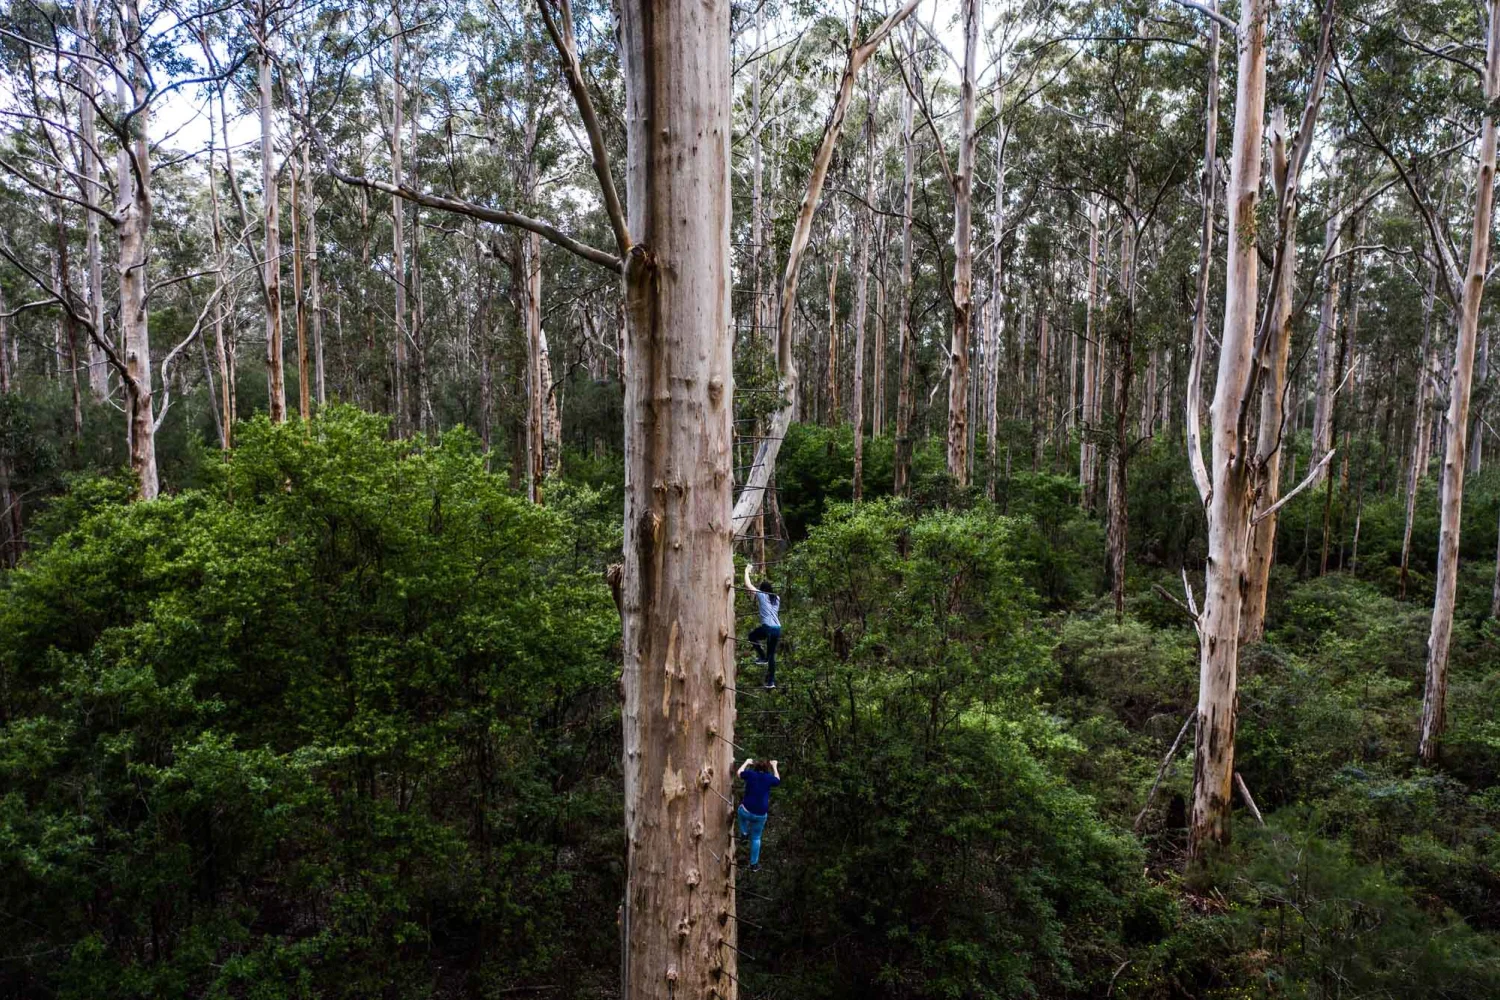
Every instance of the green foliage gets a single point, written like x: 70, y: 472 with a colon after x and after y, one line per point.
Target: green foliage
x: 293, y: 732
x: 925, y: 841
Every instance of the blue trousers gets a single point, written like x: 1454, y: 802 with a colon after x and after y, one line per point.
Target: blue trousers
x: 752, y: 826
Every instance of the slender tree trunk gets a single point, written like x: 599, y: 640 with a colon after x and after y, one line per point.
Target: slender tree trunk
x: 963, y: 255
x: 86, y: 23
x: 271, y: 204
x: 133, y: 174
x: 417, y: 329
x: 1116, y: 531
x: 861, y: 299
x: 678, y: 918
x: 536, y: 390
x: 831, y: 413
x: 1476, y: 432
x: 314, y: 285
x: 299, y: 295
x: 1229, y: 500
x: 11, y: 537
x: 1435, y: 697
x: 398, y: 233
x: 1088, y: 448
x: 906, y: 333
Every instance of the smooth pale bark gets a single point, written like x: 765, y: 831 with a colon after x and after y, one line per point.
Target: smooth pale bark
x: 1208, y: 189
x: 831, y: 394
x: 1271, y: 364
x: 905, y: 333
x: 536, y: 390
x: 299, y: 296
x: 398, y: 233
x: 1476, y: 430
x: 861, y: 300
x: 1041, y: 413
x: 133, y: 175
x: 963, y: 254
x: 314, y: 284
x: 86, y: 24
x: 996, y: 324
x: 1435, y: 695
x: 551, y: 406
x: 678, y: 918
x: 221, y: 352
x: 1328, y: 321
x: 764, y: 465
x: 1118, y: 520
x: 1421, y: 430
x: 1229, y: 500
x: 271, y: 215
x: 1088, y: 448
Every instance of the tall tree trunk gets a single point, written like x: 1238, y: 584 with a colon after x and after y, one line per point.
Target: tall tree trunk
x: 417, y: 329
x: 299, y: 294
x: 905, y: 332
x: 11, y: 538
x: 1435, y: 696
x: 877, y: 354
x: 1088, y: 447
x: 963, y: 255
x: 997, y: 283
x: 86, y: 23
x: 133, y: 174
x: 314, y: 285
x: 1476, y: 431
x: 831, y: 413
x: 1116, y: 529
x: 861, y: 300
x: 536, y: 391
x: 1229, y: 499
x: 398, y: 233
x: 271, y: 204
x: 678, y: 919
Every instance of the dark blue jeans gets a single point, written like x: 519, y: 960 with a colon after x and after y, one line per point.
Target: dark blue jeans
x: 771, y: 636
x: 752, y: 826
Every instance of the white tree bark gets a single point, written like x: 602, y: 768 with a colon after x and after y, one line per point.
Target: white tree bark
x: 1229, y: 500
x: 861, y: 301
x: 1435, y: 696
x: 133, y: 175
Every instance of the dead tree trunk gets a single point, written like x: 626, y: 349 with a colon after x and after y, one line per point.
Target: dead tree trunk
x: 678, y: 919
x: 1435, y: 696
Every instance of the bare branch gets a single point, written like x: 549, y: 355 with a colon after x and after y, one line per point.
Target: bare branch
x: 567, y: 50
x: 1223, y: 21
x: 1311, y: 480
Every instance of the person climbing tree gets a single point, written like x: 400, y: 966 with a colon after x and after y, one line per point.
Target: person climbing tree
x: 768, y: 604
x: 760, y: 777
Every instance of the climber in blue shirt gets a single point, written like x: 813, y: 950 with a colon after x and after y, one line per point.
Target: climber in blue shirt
x: 768, y: 605
x: 760, y: 777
